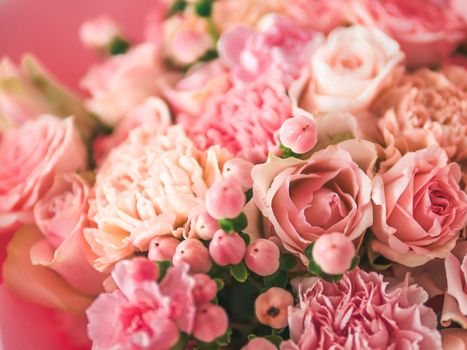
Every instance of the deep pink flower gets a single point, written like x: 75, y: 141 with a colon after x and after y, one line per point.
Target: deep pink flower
x: 361, y: 312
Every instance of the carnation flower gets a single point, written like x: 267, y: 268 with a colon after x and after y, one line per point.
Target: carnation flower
x: 148, y: 187
x: 245, y: 119
x: 361, y: 312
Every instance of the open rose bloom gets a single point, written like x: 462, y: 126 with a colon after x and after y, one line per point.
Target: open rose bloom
x: 243, y: 174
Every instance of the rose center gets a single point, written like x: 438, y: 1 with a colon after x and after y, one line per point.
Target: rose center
x: 439, y: 202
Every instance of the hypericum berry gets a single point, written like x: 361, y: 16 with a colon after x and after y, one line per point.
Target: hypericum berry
x: 211, y: 322
x: 259, y: 344
x: 225, y: 199
x: 333, y: 253
x: 227, y: 248
x: 262, y: 257
x: 162, y: 248
x: 205, y: 225
x: 271, y: 307
x: 239, y: 170
x: 299, y: 134
x: 194, y: 253
x: 205, y: 288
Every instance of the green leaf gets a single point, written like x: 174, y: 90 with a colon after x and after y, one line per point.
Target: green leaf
x: 209, y: 55
x: 239, y: 272
x: 278, y: 331
x: 246, y: 237
x: 163, y: 266
x: 355, y: 262
x: 377, y: 261
x: 275, y: 339
x: 203, y: 8
x: 181, y: 343
x: 178, y: 6
x: 277, y: 279
x: 314, y: 268
x: 227, y: 225
x: 309, y: 251
x: 248, y: 195
x: 118, y: 46
x: 287, y: 262
x: 220, y: 283
x: 225, y: 339
x: 251, y: 336
x: 287, y: 152
x: 240, y: 222
x: 330, y: 278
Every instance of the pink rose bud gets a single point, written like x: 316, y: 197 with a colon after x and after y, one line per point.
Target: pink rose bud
x: 271, y: 307
x: 194, y: 253
x: 239, y: 170
x: 225, y: 199
x: 333, y: 253
x: 98, y: 32
x: 162, y: 248
x: 259, y: 344
x: 210, y: 322
x: 262, y: 257
x: 206, y: 225
x: 299, y: 134
x: 205, y: 288
x: 227, y: 248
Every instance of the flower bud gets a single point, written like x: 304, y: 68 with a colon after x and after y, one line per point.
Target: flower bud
x: 262, y: 257
x: 205, y: 288
x: 225, y: 199
x: 205, y: 225
x: 194, y: 253
x: 210, y: 322
x: 227, y: 249
x: 299, y: 134
x: 271, y: 307
x: 162, y: 248
x: 239, y: 170
x: 333, y: 253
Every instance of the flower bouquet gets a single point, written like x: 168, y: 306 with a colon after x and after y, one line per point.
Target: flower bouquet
x: 255, y: 174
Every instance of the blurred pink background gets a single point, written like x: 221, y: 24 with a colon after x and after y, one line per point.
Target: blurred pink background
x: 49, y: 29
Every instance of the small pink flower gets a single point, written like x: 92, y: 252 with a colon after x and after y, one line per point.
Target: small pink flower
x: 427, y: 31
x: 419, y: 208
x: 361, y: 312
x: 225, y: 199
x: 262, y: 257
x: 98, y: 32
x: 142, y: 313
x: 281, y: 47
x: 31, y: 157
x: 334, y: 253
x: 211, y: 322
x: 227, y: 248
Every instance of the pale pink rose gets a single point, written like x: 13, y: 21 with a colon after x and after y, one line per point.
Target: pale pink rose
x: 350, y: 70
x: 319, y: 15
x: 61, y: 215
x: 187, y: 37
x: 245, y: 119
x: 152, y: 112
x: 419, y: 208
x: 279, y: 47
x: 361, y: 312
x: 456, y: 277
x: 143, y: 314
x: 20, y: 101
x: 99, y: 32
x: 189, y: 96
x: 454, y: 339
x: 31, y: 156
x: 305, y: 199
x: 122, y: 81
x: 427, y: 30
x: 425, y: 108
x: 228, y: 14
x: 148, y: 187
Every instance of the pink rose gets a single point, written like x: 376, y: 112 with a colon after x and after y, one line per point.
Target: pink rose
x: 361, y: 312
x: 122, y: 81
x: 20, y: 100
x: 228, y: 14
x: 280, y: 47
x: 304, y: 199
x: 245, y: 119
x: 152, y: 112
x: 31, y: 156
x: 143, y: 314
x: 419, y: 208
x: 425, y: 109
x: 427, y: 31
x: 61, y: 215
x: 190, y: 95
x: 319, y: 15
x: 454, y: 339
x: 148, y: 187
x: 350, y: 70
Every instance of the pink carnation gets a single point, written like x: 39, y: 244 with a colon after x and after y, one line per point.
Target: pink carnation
x: 245, y: 119
x: 280, y: 46
x: 361, y: 312
x: 143, y: 314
